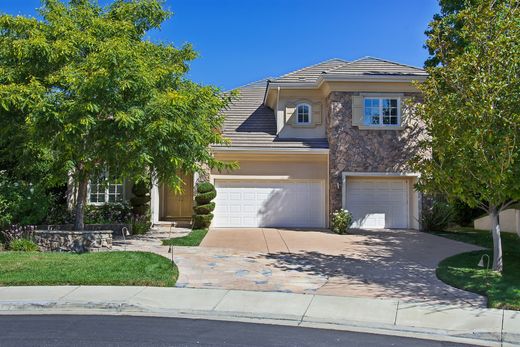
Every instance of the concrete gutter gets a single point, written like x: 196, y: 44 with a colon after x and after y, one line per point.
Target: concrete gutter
x: 478, y: 326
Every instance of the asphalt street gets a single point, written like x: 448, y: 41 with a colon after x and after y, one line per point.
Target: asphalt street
x: 74, y: 330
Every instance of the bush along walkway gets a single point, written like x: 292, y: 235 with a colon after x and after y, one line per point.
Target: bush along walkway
x: 462, y: 270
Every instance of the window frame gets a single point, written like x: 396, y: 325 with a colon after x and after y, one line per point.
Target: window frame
x: 309, y: 107
x: 106, y: 183
x: 380, y: 99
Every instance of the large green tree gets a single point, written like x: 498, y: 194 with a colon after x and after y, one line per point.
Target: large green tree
x: 85, y: 84
x: 471, y: 110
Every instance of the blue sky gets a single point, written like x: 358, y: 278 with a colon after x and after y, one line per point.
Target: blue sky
x: 241, y: 41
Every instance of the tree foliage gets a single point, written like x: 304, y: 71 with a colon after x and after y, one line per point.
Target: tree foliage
x: 446, y: 27
x: 471, y: 109
x: 85, y: 85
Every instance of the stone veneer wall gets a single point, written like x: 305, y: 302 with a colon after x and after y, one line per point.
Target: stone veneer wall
x: 355, y: 150
x: 115, y: 228
x: 73, y: 241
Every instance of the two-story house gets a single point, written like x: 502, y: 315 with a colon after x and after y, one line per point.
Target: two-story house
x: 333, y: 135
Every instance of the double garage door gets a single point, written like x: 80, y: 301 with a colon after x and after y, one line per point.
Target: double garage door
x: 374, y: 203
x: 266, y: 203
x: 378, y: 203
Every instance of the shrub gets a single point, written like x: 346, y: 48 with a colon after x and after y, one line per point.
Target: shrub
x: 139, y: 202
x: 202, y: 220
x: 16, y: 232
x: 205, y: 198
x: 437, y: 217
x: 205, y: 187
x: 109, y: 213
x: 22, y: 202
x: 23, y: 245
x: 203, y: 208
x: 465, y: 215
x: 141, y: 225
x: 341, y: 221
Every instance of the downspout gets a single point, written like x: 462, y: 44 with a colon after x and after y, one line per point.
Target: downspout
x: 278, y: 127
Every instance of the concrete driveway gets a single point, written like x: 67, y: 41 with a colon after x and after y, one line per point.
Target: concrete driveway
x: 368, y: 263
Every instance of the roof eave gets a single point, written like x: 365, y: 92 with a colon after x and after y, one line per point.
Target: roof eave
x: 263, y: 149
x: 371, y: 78
x: 346, y: 78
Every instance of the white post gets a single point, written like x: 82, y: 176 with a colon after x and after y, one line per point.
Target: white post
x: 154, y: 201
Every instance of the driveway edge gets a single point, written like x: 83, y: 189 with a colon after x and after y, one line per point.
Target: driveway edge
x: 478, y: 326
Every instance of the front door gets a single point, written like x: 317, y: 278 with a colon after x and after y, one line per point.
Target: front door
x: 179, y: 206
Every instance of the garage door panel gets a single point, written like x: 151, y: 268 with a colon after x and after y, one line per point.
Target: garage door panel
x: 378, y: 203
x: 270, y: 204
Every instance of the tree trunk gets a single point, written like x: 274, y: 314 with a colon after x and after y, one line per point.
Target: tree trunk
x: 497, y: 242
x: 81, y: 201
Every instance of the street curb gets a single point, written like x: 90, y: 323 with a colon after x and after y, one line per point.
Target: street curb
x: 125, y: 309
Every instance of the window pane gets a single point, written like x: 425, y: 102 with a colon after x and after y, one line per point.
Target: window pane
x: 101, y: 198
x: 386, y: 102
x: 393, y: 120
x: 393, y: 102
x: 375, y: 120
x: 303, y: 114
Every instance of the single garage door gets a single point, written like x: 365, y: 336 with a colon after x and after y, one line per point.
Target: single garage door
x: 270, y: 204
x: 378, y: 203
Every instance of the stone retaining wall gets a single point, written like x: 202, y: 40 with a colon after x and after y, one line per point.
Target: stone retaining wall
x: 115, y: 228
x: 73, y: 241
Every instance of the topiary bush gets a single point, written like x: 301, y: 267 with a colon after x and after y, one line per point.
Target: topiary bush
x: 205, y: 187
x: 141, y: 198
x: 205, y: 198
x: 202, y: 210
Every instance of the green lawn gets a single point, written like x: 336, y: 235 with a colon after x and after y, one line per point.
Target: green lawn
x: 461, y: 271
x: 192, y: 239
x: 100, y: 268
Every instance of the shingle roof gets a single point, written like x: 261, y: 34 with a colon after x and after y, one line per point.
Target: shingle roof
x: 375, y: 66
x: 249, y: 123
x: 310, y: 73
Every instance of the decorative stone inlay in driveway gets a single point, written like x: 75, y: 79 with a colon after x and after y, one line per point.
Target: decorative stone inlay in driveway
x: 383, y: 263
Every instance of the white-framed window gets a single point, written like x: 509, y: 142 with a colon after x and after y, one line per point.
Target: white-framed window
x: 303, y: 113
x: 105, y: 190
x: 381, y: 111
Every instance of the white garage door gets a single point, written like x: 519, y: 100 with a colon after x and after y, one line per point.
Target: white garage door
x: 269, y: 204
x: 378, y: 203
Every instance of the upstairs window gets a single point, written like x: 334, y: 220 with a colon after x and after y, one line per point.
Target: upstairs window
x: 303, y: 113
x: 382, y: 112
x: 105, y: 190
